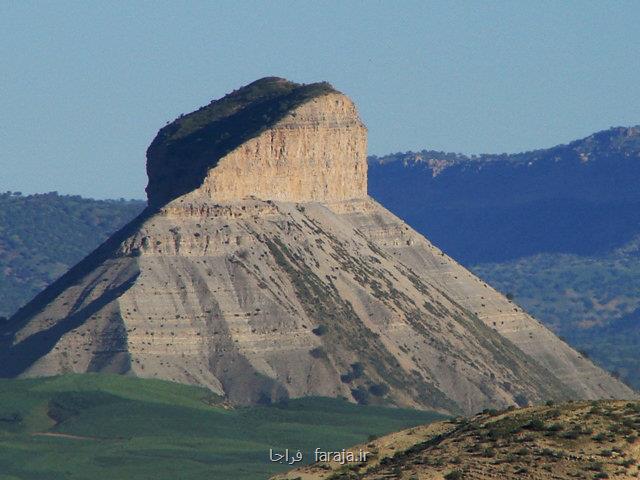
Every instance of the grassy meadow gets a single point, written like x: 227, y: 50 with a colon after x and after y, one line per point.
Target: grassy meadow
x: 110, y: 427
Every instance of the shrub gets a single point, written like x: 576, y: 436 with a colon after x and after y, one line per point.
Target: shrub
x: 571, y: 434
x: 489, y: 452
x: 357, y: 369
x: 454, y: 475
x: 346, y: 377
x: 13, y: 417
x: 264, y: 398
x: 379, y: 389
x: 521, y: 400
x: 536, y: 425
x: 360, y: 395
x: 320, y: 330
x: 595, y: 467
x: 633, y: 407
x: 318, y: 352
x: 556, y: 427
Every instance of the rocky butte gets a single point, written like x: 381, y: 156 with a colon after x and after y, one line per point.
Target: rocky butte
x: 262, y: 270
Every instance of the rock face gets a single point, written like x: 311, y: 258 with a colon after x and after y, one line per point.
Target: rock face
x: 264, y: 271
x: 272, y: 139
x: 317, y: 153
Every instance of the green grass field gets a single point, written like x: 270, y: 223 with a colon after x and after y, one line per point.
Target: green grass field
x: 128, y: 428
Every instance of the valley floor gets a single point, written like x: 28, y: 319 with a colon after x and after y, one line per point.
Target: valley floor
x: 95, y: 427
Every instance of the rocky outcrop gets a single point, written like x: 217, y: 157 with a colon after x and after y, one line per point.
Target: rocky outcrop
x: 276, y: 276
x: 272, y: 139
x: 316, y: 153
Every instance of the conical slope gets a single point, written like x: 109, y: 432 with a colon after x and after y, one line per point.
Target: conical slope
x: 266, y: 272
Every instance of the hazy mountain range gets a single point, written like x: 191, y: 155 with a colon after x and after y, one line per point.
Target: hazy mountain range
x: 581, y: 198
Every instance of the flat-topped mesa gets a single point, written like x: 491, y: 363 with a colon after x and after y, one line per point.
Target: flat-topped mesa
x: 261, y: 300
x: 272, y: 139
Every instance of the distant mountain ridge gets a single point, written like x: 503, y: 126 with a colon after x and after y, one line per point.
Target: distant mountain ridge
x: 610, y: 143
x: 492, y: 207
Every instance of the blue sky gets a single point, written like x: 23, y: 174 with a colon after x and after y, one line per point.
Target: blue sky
x: 84, y: 86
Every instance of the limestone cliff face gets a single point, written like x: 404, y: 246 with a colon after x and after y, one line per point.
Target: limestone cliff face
x: 316, y: 153
x: 272, y: 139
x: 275, y: 276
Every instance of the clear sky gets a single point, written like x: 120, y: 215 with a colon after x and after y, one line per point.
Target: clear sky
x: 84, y: 86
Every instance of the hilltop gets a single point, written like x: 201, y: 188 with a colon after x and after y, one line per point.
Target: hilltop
x: 275, y: 276
x: 182, y: 153
x: 587, y: 440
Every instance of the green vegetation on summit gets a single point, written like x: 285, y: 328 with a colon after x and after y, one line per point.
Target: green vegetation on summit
x: 183, y: 151
x: 77, y: 427
x: 267, y: 95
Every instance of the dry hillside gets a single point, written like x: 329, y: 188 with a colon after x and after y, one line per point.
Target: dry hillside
x: 262, y: 270
x: 585, y: 440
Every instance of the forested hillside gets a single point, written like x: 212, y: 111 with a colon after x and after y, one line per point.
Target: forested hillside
x: 42, y: 235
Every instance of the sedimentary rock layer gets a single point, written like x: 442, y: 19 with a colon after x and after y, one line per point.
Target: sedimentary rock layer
x: 272, y: 139
x: 275, y: 276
